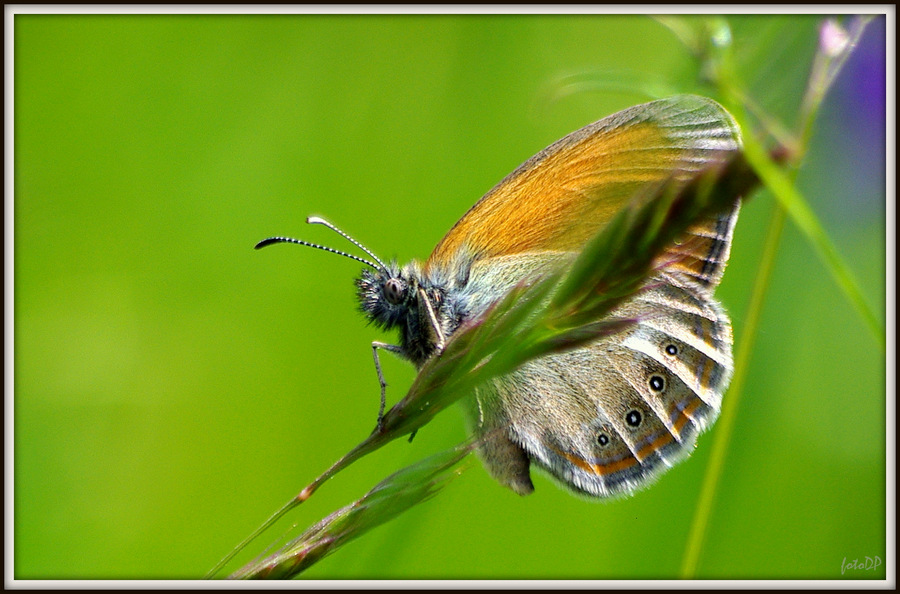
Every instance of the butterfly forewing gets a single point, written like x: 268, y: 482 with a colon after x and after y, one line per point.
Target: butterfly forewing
x: 565, y: 194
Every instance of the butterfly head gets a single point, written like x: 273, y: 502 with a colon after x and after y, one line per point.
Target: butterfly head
x: 394, y: 297
x: 387, y: 295
x: 383, y: 290
x: 406, y: 299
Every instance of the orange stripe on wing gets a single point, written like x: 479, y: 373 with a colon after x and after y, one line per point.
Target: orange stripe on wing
x: 706, y: 374
x: 598, y: 469
x: 657, y: 444
x: 685, y: 416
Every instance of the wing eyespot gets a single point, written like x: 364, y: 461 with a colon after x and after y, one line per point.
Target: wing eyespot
x: 634, y: 418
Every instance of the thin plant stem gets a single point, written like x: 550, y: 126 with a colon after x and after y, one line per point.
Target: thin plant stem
x: 825, y: 71
x: 789, y: 201
x: 744, y: 351
x: 373, y: 442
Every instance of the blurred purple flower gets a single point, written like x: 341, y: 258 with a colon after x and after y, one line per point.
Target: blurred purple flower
x: 851, y: 176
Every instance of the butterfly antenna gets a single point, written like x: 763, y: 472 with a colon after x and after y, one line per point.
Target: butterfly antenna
x: 271, y: 240
x: 321, y: 221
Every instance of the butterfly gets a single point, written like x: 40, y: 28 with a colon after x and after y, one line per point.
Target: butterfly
x: 607, y: 418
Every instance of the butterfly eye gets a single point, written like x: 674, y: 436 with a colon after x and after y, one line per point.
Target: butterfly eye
x: 393, y: 291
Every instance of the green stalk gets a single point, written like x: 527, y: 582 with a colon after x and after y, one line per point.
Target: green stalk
x: 719, y: 449
x: 790, y: 202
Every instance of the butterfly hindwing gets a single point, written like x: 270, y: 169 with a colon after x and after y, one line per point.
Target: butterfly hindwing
x: 607, y: 418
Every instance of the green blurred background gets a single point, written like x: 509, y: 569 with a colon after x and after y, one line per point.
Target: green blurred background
x: 173, y: 386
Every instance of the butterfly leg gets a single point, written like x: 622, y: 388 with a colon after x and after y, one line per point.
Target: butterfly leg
x: 439, y: 340
x: 394, y: 349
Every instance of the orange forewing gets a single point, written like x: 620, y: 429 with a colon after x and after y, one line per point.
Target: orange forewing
x: 565, y: 194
